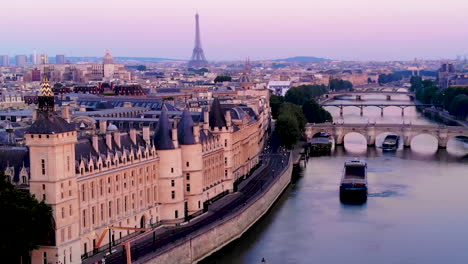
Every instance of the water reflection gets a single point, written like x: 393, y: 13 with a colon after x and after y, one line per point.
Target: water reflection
x: 416, y: 210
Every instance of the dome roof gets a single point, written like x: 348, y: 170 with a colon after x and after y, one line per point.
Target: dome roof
x: 108, y: 59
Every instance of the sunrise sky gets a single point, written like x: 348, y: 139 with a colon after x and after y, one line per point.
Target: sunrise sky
x: 232, y: 30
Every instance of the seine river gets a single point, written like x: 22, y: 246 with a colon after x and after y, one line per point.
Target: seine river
x: 417, y: 210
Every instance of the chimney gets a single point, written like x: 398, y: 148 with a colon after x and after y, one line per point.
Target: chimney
x: 206, y: 120
x: 95, y: 139
x: 109, y: 140
x: 34, y: 116
x: 116, y: 136
x: 146, y: 134
x: 102, y: 126
x: 196, y: 133
x: 66, y: 113
x: 133, y: 135
x: 175, y: 141
x: 175, y: 124
x: 228, y: 119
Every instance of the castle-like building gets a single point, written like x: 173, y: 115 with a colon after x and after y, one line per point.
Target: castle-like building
x: 133, y: 178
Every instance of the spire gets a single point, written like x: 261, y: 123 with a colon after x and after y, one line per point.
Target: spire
x: 46, y: 95
x: 185, y: 129
x: 162, y: 138
x: 198, y: 59
x: 216, y: 115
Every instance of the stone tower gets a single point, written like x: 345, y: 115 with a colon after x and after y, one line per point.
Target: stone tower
x: 51, y: 141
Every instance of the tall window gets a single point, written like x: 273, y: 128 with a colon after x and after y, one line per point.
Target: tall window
x: 173, y: 194
x: 93, y: 215
x: 84, y: 218
x: 83, y: 192
x: 110, y: 209
x: 188, y: 187
x: 187, y: 176
x: 43, y: 166
x: 176, y: 214
x: 68, y: 163
x: 172, y: 183
x: 187, y: 163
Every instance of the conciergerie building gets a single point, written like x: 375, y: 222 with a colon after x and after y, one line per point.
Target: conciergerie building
x: 133, y: 178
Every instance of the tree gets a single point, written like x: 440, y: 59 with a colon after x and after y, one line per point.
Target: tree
x: 26, y: 222
x: 294, y: 111
x: 287, y: 129
x: 315, y: 113
x: 339, y: 84
x: 459, y: 106
x: 416, y: 83
x: 222, y: 78
x: 141, y: 67
x: 301, y: 94
x: 275, y: 104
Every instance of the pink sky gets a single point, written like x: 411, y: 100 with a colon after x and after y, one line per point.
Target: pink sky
x: 339, y: 29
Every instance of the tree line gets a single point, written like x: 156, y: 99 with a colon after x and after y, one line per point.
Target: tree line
x: 452, y: 99
x: 295, y: 109
x: 26, y: 222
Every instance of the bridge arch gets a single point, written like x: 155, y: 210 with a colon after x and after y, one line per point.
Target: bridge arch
x: 455, y: 145
x: 380, y: 137
x: 419, y: 142
x: 355, y: 141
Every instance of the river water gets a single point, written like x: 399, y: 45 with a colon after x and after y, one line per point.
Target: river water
x: 416, y: 212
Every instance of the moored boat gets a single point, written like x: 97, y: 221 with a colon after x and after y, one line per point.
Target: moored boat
x: 320, y: 143
x: 391, y: 142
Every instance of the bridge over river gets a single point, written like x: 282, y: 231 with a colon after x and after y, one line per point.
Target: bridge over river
x: 370, y: 131
x: 360, y: 94
x: 381, y: 106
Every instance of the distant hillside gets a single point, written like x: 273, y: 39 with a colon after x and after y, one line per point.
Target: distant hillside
x: 303, y: 59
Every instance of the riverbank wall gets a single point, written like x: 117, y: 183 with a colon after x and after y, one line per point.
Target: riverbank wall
x: 195, y: 247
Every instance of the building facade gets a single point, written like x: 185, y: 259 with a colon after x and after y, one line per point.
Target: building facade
x: 133, y: 179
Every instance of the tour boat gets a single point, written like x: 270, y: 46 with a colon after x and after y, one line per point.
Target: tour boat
x: 353, y: 186
x: 391, y: 142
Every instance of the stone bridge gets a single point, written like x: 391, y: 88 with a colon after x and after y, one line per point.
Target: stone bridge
x: 360, y: 94
x: 381, y: 106
x: 370, y: 131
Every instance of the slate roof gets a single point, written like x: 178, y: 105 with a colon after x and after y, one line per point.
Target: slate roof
x: 50, y: 123
x: 185, y: 129
x: 14, y: 157
x: 162, y: 137
x: 216, y: 115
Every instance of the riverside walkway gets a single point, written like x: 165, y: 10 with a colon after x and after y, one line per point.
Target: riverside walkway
x: 150, y: 243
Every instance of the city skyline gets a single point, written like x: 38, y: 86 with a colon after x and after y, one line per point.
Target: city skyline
x: 338, y: 30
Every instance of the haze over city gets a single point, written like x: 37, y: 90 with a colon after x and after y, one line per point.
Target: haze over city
x: 233, y: 30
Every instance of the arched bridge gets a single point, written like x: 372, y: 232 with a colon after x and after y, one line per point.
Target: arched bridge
x: 360, y: 94
x: 370, y: 131
x: 381, y: 106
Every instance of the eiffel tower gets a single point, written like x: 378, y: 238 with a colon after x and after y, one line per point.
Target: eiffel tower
x: 198, y: 59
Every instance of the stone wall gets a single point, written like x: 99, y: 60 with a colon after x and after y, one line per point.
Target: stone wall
x: 213, y: 238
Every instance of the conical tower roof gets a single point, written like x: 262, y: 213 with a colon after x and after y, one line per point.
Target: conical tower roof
x: 216, y: 115
x: 162, y: 138
x: 185, y: 129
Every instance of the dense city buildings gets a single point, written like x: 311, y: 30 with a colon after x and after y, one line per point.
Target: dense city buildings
x: 4, y: 60
x: 21, y: 60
